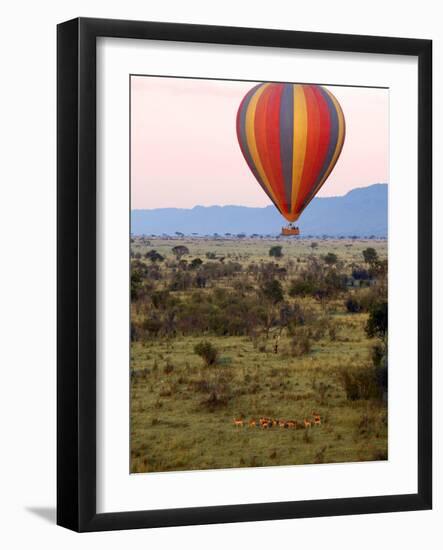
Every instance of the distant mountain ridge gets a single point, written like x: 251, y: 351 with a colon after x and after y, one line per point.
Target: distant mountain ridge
x: 362, y: 212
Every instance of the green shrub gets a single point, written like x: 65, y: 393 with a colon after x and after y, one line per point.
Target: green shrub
x: 377, y: 324
x: 207, y: 352
x: 276, y: 251
x: 302, y: 287
x: 154, y: 256
x: 195, y: 263
x: 352, y: 305
x: 330, y: 258
x: 272, y: 291
x: 370, y: 255
x: 380, y: 362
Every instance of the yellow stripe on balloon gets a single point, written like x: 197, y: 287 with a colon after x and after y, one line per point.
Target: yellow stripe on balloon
x: 300, y: 132
x: 252, y: 144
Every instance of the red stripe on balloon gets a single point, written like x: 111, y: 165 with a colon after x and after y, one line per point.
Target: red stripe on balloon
x: 262, y: 128
x: 319, y: 130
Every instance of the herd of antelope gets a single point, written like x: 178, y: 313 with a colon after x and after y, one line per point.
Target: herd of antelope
x: 266, y: 423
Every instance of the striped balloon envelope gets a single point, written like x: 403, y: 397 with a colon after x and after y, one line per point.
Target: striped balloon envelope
x: 291, y: 136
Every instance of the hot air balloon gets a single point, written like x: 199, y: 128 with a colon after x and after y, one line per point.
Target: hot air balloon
x: 291, y: 136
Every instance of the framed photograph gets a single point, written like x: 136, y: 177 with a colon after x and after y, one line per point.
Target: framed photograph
x: 244, y: 274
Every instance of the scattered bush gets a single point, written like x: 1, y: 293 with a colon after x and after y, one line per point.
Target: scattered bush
x: 332, y: 333
x: 134, y: 332
x: 377, y: 324
x: 207, y: 352
x: 276, y: 251
x: 180, y: 281
x: 360, y: 274
x: 169, y: 367
x: 370, y: 255
x: 301, y: 342
x: 272, y: 291
x: 330, y: 258
x: 319, y: 280
x: 360, y: 383
x: 180, y: 250
x: 196, y: 262
x: 380, y: 362
x: 353, y: 306
x: 363, y: 300
x: 154, y: 256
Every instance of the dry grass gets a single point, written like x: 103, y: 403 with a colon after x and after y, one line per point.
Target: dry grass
x: 182, y: 409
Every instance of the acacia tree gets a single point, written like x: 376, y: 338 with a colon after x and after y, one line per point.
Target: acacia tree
x: 276, y: 251
x: 180, y: 250
x: 272, y: 294
x: 272, y: 291
x: 370, y: 256
x: 154, y: 256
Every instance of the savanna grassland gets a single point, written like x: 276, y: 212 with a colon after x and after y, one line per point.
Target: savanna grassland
x: 249, y: 328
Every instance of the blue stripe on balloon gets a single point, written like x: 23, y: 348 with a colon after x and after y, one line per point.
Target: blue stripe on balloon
x: 287, y: 138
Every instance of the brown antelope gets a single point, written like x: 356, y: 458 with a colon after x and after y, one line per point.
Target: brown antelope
x: 307, y: 423
x: 282, y: 423
x: 317, y: 420
x: 274, y: 422
x: 238, y: 422
x: 263, y: 421
x: 290, y: 424
x: 252, y: 423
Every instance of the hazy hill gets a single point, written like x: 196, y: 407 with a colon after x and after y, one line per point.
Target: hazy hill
x: 361, y: 212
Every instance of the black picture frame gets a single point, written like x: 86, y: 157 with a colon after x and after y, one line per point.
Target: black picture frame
x: 76, y: 266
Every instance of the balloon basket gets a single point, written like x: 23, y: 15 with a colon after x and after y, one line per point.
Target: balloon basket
x: 290, y: 231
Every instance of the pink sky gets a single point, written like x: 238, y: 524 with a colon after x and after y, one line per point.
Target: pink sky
x: 184, y: 148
